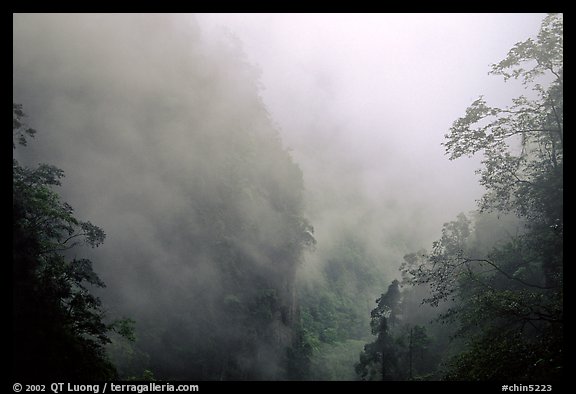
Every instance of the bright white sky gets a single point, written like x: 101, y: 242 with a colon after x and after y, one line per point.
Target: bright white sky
x: 381, y: 88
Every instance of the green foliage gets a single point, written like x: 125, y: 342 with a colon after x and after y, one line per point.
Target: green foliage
x: 545, y: 55
x: 508, y: 355
x: 382, y: 354
x: 19, y: 129
x: 58, y: 324
x: 125, y: 328
x: 401, y: 350
x: 504, y: 292
x: 386, y: 311
x: 334, y: 310
x: 328, y: 318
x: 335, y: 361
x: 522, y: 144
x: 298, y: 355
x: 442, y: 269
x: 506, y: 295
x: 132, y: 363
x: 264, y: 305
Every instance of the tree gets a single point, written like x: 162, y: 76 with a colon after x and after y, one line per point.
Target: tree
x: 418, y: 345
x: 511, y: 321
x: 523, y: 144
x: 387, y: 306
x: 58, y: 324
x: 508, y: 302
x: 379, y: 359
x: 400, y: 349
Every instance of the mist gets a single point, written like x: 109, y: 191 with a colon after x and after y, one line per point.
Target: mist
x: 208, y: 146
x: 364, y: 102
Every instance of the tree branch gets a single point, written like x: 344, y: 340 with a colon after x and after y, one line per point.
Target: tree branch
x: 508, y: 276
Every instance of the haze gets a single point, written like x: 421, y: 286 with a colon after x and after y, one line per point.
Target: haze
x: 364, y: 101
x: 145, y: 114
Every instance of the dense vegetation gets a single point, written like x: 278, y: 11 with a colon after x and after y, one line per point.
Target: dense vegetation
x: 58, y: 329
x: 502, y: 291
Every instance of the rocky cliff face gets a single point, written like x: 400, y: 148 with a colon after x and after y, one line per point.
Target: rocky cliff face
x: 167, y: 146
